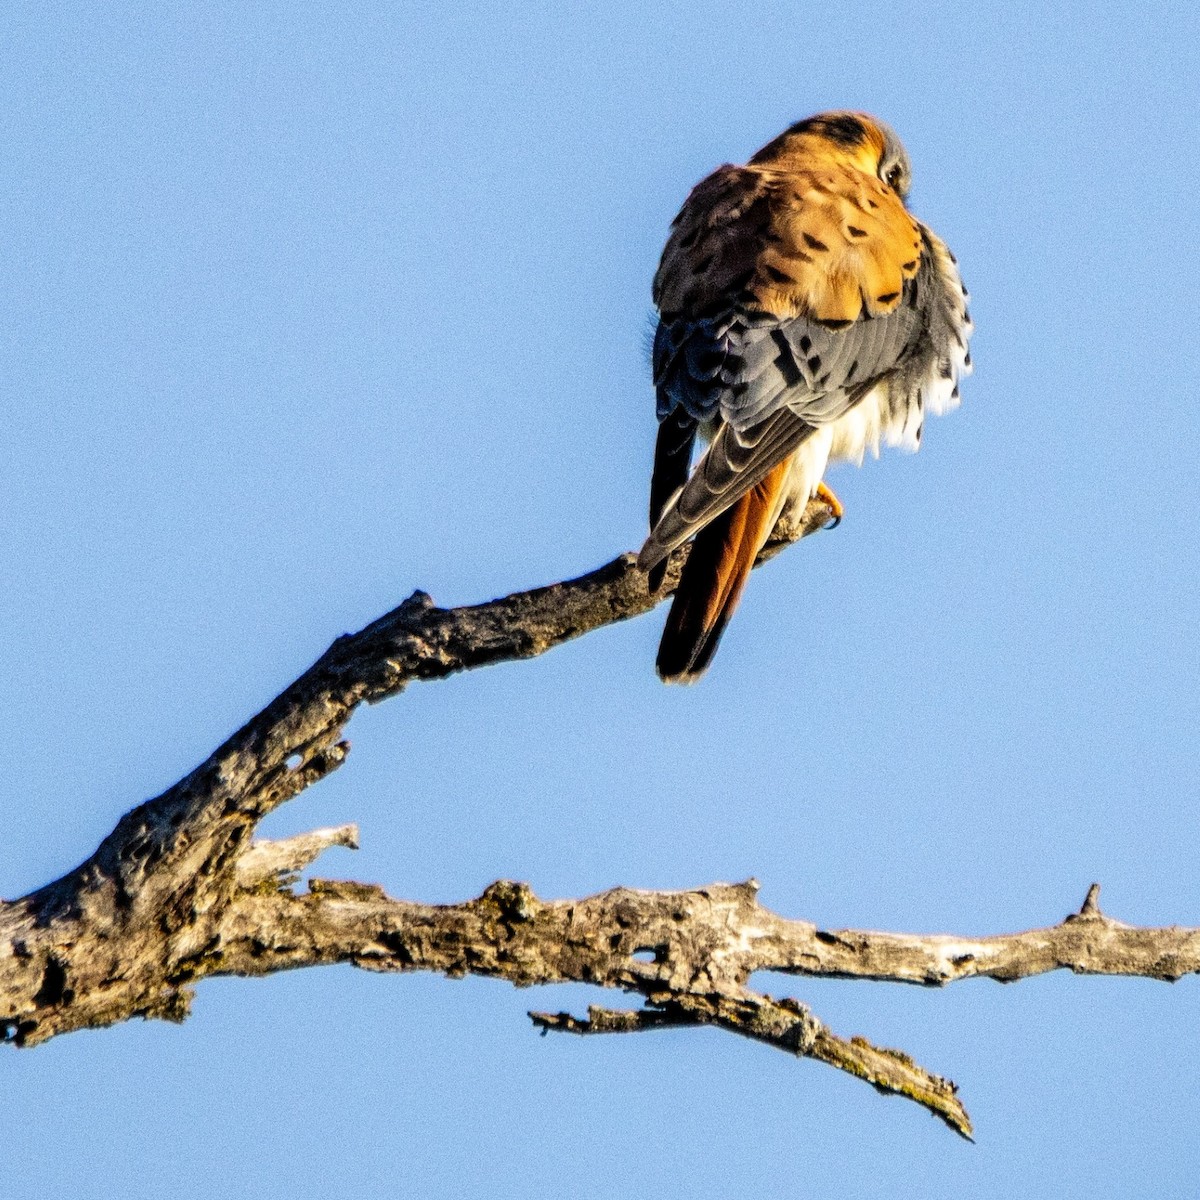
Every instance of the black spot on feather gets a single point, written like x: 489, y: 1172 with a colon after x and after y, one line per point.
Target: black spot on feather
x: 786, y: 360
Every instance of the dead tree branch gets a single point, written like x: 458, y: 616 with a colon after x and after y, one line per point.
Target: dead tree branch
x: 179, y: 891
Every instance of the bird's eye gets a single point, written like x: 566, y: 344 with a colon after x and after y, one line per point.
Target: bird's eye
x: 893, y: 177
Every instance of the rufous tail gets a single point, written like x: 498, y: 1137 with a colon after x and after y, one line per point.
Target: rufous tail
x: 722, y: 557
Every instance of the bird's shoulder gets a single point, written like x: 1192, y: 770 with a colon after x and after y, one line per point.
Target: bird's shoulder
x: 821, y: 241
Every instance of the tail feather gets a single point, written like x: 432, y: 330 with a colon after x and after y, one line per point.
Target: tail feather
x: 722, y: 557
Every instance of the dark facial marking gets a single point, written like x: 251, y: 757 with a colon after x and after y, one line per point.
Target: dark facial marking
x: 854, y: 231
x: 845, y: 131
x: 813, y: 243
x: 887, y: 297
x: 777, y: 275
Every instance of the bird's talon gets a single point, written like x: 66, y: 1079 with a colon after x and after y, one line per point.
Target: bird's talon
x: 835, y: 506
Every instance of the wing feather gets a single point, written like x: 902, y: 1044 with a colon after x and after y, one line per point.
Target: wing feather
x: 729, y: 468
x: 672, y: 458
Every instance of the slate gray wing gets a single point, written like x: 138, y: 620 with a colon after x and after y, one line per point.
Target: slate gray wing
x: 765, y: 385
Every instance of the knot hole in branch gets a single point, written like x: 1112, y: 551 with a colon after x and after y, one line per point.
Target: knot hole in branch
x: 652, y: 954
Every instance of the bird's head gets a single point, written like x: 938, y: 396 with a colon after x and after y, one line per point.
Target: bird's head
x: 847, y: 138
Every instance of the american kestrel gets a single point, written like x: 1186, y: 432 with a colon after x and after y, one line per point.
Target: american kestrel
x: 804, y: 316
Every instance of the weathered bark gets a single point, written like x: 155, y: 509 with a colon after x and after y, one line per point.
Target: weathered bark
x: 178, y: 891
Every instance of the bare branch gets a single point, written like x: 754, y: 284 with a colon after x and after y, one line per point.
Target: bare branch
x: 179, y: 891
x: 613, y: 1020
x: 275, y: 861
x: 789, y: 1026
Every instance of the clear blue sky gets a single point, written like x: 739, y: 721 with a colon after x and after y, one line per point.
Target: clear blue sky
x: 308, y: 305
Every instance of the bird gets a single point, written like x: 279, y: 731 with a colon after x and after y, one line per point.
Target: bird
x: 804, y: 316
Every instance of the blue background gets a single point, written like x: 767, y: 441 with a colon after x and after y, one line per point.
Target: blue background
x: 305, y: 306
